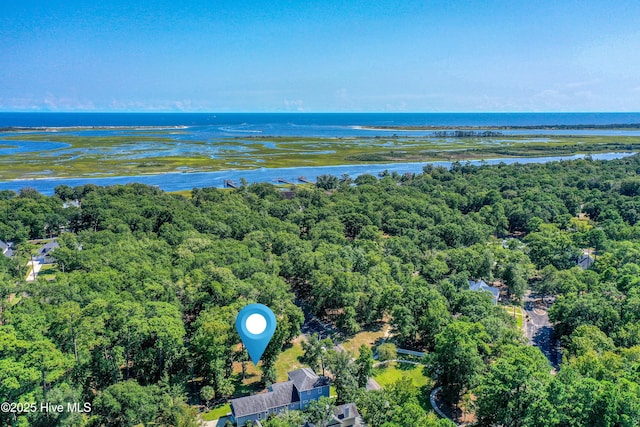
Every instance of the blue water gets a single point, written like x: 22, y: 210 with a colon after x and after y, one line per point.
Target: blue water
x: 181, y: 131
x: 15, y: 147
x: 186, y: 181
x: 263, y: 122
x: 212, y: 125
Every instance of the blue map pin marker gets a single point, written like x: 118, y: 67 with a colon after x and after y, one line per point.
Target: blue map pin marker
x: 256, y: 324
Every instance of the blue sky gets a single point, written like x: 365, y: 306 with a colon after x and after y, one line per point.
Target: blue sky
x: 376, y: 55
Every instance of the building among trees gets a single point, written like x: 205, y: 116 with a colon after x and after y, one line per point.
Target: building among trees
x: 303, y: 387
x: 481, y: 286
x: 585, y: 261
x: 6, y: 249
x: 44, y: 253
x: 343, y: 416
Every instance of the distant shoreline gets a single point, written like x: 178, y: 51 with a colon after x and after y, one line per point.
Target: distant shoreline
x: 385, y: 128
x: 81, y: 128
x: 615, y: 126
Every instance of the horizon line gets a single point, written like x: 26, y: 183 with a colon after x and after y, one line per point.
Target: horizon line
x: 310, y: 112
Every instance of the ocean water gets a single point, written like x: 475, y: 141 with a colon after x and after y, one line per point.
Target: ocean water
x: 307, y: 124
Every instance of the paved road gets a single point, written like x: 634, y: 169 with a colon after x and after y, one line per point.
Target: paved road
x: 539, y: 330
x: 434, y: 405
x: 411, y: 362
x: 373, y: 385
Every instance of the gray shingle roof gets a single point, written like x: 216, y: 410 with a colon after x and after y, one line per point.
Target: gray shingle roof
x: 585, y: 261
x: 5, y: 249
x: 343, y: 415
x: 48, y: 247
x: 346, y: 411
x: 305, y: 379
x: 249, y: 405
x: 281, y: 394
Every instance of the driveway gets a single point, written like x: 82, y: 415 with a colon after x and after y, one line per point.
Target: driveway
x: 34, y: 268
x: 215, y: 423
x: 539, y: 330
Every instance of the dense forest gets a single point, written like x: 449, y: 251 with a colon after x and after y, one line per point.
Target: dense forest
x: 138, y: 318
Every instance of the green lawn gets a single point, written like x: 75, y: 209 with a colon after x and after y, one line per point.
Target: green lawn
x: 47, y: 272
x: 387, y: 375
x: 518, y: 313
x: 289, y: 360
x: 217, y: 412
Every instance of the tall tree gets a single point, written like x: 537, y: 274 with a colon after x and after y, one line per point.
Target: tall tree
x: 344, y: 377
x: 327, y: 182
x: 515, y: 278
x: 512, y: 393
x: 457, y: 359
x: 316, y: 352
x: 364, y: 365
x: 319, y: 411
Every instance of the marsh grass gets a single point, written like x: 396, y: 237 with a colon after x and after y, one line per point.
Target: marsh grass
x: 162, y: 152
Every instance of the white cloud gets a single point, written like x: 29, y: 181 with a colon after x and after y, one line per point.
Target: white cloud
x: 396, y: 107
x: 294, y: 105
x: 574, y: 85
x: 49, y: 102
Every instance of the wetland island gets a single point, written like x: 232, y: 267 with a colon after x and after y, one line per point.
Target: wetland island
x: 29, y: 154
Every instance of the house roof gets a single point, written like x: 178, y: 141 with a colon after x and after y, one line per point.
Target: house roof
x: 249, y: 405
x: 480, y: 285
x: 343, y: 415
x: 346, y: 411
x: 585, y: 261
x: 279, y: 394
x: 5, y: 248
x: 305, y: 379
x: 48, y: 247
